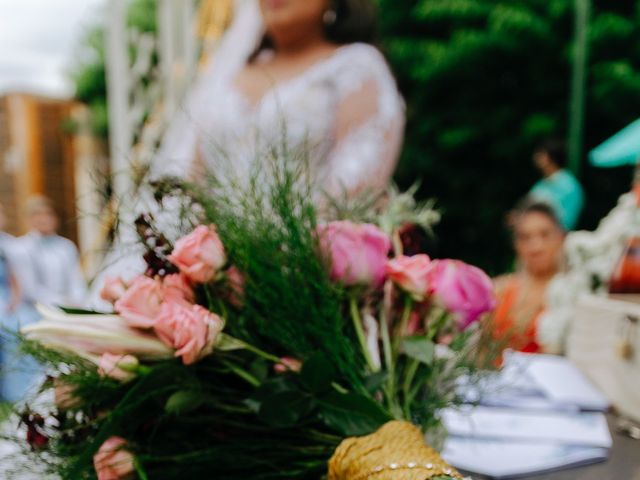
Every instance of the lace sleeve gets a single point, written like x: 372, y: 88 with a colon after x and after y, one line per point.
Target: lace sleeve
x: 369, y: 126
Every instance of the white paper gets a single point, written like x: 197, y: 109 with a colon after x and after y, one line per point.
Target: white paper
x: 535, y: 382
x: 539, y: 413
x: 501, y: 459
x: 585, y: 428
x: 562, y: 382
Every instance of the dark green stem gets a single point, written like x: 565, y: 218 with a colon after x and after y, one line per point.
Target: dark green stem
x: 243, y: 374
x: 410, y: 374
x: 357, y: 325
x: 404, y: 322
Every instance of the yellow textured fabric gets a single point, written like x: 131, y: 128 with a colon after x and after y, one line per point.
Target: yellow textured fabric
x: 395, y: 452
x: 213, y: 18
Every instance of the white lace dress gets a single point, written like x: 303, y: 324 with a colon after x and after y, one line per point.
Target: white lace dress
x: 344, y: 111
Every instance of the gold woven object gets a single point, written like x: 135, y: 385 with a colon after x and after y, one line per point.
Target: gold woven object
x: 395, y: 452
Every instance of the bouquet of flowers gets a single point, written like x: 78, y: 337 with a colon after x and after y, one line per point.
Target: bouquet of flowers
x: 258, y: 341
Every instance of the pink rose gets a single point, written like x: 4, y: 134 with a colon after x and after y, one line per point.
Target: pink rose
x: 118, y: 367
x: 411, y: 274
x: 358, y: 252
x: 189, y: 329
x: 288, y: 364
x: 200, y: 254
x: 113, y: 462
x: 140, y: 304
x: 113, y: 289
x: 177, y: 287
x: 464, y: 290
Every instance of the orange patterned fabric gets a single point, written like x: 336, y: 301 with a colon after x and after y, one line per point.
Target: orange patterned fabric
x: 519, y: 334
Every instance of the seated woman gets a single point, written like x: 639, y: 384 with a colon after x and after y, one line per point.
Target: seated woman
x: 538, y: 241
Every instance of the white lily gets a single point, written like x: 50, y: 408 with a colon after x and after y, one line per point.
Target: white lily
x: 91, y: 335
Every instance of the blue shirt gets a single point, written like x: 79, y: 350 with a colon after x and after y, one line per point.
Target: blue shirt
x: 564, y: 194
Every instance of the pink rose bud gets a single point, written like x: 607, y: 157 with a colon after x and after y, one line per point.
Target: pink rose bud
x: 288, y: 364
x: 411, y: 274
x: 200, y: 254
x: 177, y: 287
x: 113, y: 289
x: 357, y: 252
x: 140, y: 305
x: 118, y: 367
x: 464, y: 290
x: 189, y: 329
x: 235, y: 281
x: 64, y: 395
x: 113, y: 461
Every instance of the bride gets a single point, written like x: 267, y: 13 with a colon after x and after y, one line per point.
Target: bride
x: 306, y: 69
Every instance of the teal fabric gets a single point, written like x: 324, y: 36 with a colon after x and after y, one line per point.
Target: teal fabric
x: 621, y: 149
x: 564, y: 194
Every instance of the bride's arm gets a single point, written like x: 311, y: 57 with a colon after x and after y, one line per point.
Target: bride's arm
x: 369, y: 131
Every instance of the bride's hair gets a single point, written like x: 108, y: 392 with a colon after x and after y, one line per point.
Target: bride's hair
x: 355, y: 21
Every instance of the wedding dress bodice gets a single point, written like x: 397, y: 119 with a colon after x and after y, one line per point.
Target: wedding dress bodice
x: 344, y: 112
x: 232, y: 134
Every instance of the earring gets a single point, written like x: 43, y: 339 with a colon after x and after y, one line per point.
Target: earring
x: 330, y: 17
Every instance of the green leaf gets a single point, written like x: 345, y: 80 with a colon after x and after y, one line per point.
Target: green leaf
x: 460, y: 341
x: 80, y: 311
x: 183, y: 402
x: 227, y: 343
x: 273, y: 386
x: 267, y: 389
x: 317, y: 373
x: 373, y: 382
x: 259, y: 368
x: 419, y: 348
x: 285, y: 409
x: 352, y: 414
x: 142, y: 474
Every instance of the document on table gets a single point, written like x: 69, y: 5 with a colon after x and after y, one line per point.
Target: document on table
x: 563, y: 383
x: 538, y: 414
x: 535, y: 382
x: 502, y: 459
x: 586, y: 429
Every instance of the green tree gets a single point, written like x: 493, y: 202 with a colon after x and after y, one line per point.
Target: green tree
x: 485, y: 80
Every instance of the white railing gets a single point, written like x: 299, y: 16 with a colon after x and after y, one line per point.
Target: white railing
x: 143, y: 96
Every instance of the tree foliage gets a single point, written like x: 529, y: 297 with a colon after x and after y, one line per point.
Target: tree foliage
x: 484, y: 81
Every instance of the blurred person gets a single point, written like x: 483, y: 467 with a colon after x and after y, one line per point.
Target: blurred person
x: 18, y: 371
x: 558, y: 187
x: 52, y: 274
x: 304, y: 73
x: 538, y: 241
x: 10, y: 295
x: 294, y: 79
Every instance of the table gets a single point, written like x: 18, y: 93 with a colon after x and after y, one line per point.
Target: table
x: 623, y: 463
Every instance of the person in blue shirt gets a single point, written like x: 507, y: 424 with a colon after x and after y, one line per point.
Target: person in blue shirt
x: 18, y: 372
x: 559, y: 188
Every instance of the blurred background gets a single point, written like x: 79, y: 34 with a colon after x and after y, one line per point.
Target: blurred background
x: 88, y: 86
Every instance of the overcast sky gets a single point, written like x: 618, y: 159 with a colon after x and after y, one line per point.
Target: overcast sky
x: 38, y: 39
